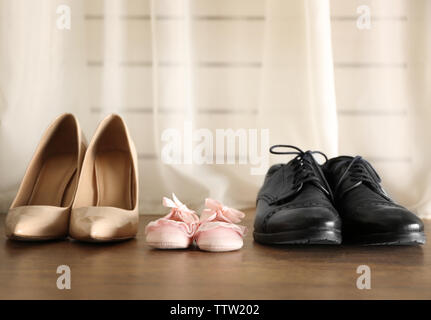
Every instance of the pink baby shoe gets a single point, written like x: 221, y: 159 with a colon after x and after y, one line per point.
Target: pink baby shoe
x: 175, y: 230
x: 217, y: 230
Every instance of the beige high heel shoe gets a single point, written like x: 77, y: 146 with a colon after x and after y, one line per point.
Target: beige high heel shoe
x: 106, y: 202
x: 41, y: 208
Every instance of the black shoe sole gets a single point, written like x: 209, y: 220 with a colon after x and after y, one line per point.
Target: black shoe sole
x: 304, y: 236
x: 389, y: 239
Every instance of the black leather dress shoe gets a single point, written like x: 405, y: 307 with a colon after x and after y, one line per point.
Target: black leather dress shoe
x: 294, y: 205
x: 369, y: 216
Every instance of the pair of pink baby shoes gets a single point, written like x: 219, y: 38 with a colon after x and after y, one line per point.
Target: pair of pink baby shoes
x: 216, y: 230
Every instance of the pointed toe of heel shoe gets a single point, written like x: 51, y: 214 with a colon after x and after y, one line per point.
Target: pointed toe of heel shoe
x: 41, y: 208
x: 36, y: 223
x: 106, y: 203
x: 103, y: 224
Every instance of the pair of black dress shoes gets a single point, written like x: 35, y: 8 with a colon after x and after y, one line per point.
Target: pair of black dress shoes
x: 303, y: 202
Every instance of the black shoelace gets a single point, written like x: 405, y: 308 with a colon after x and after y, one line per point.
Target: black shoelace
x: 306, y: 169
x: 360, y: 171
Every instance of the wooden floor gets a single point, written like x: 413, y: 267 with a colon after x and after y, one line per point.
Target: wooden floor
x: 131, y: 270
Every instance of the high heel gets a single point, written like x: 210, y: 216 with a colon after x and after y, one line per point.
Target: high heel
x: 106, y: 202
x: 41, y: 208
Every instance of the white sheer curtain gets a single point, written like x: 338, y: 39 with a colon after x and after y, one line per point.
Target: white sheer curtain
x: 418, y: 187
x: 42, y: 74
x: 301, y: 69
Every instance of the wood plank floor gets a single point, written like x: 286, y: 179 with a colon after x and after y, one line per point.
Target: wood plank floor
x: 131, y: 270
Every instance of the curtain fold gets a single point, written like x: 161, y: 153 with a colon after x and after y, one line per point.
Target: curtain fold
x: 298, y: 94
x: 418, y: 83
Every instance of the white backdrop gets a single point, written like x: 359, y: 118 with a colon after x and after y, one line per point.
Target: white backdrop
x: 304, y: 70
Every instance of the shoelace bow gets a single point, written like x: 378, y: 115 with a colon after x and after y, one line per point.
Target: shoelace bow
x: 360, y: 171
x: 306, y: 169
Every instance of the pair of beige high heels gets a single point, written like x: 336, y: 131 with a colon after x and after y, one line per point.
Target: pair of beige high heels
x: 69, y: 189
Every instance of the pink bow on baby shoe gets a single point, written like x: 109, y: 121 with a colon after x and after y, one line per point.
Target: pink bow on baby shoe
x: 216, y: 209
x: 179, y: 211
